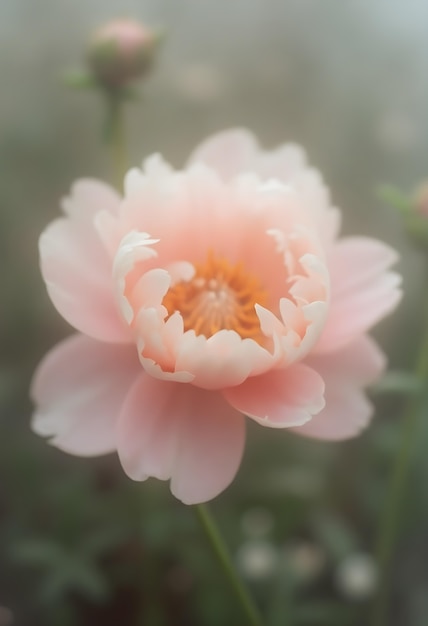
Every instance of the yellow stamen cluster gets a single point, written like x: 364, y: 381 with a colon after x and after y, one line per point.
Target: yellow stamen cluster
x: 220, y: 296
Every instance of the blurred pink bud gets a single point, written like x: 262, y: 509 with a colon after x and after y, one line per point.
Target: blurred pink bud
x: 421, y: 200
x: 121, y: 51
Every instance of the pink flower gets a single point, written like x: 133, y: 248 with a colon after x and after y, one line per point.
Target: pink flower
x: 202, y: 296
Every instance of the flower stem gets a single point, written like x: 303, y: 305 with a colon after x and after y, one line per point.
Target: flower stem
x: 390, y: 519
x: 116, y: 136
x: 223, y: 556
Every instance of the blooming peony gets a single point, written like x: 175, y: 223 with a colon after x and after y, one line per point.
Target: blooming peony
x: 201, y: 296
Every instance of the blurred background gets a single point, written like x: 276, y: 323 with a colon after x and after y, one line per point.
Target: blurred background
x: 80, y: 544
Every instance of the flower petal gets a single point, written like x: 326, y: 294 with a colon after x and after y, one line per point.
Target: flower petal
x: 345, y: 372
x: 222, y: 360
x: 229, y: 153
x: 280, y: 398
x: 362, y: 291
x: 136, y: 248
x: 77, y: 269
x: 78, y: 389
x: 88, y: 196
x: 178, y: 432
x: 77, y: 274
x: 236, y: 151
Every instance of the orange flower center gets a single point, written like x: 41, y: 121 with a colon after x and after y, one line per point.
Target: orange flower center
x: 220, y: 296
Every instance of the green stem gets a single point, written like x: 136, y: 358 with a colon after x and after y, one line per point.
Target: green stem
x: 116, y: 136
x: 390, y: 520
x: 223, y: 556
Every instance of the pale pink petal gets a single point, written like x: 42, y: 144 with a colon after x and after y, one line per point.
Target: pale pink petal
x: 88, y: 196
x: 154, y: 168
x: 158, y: 346
x: 78, y: 276
x: 155, y: 370
x: 347, y: 413
x: 294, y: 337
x: 79, y: 388
x: 222, y: 360
x: 235, y: 152
x: 135, y: 250
x: 76, y: 268
x: 281, y: 398
x: 316, y: 197
x: 362, y: 291
x: 229, y: 153
x: 284, y: 163
x: 178, y: 432
x: 289, y: 165
x: 360, y: 362
x: 345, y: 372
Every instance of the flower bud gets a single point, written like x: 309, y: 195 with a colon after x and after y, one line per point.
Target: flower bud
x: 121, y: 51
x: 417, y: 217
x: 421, y: 200
x: 413, y: 209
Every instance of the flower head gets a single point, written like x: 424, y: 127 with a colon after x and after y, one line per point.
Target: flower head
x: 201, y: 296
x: 120, y: 52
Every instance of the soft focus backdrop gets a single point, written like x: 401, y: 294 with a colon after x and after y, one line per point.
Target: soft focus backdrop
x: 79, y: 543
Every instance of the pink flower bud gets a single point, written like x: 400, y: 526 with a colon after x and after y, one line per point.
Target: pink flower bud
x: 120, y: 52
x: 421, y: 200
